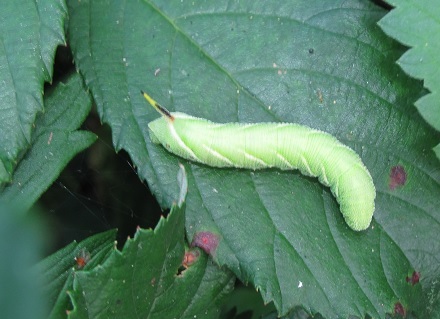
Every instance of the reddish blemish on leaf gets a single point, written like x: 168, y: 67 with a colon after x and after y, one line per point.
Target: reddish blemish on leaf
x: 397, y: 176
x: 414, y: 279
x: 399, y: 309
x: 206, y: 241
x: 190, y: 257
x: 82, y: 259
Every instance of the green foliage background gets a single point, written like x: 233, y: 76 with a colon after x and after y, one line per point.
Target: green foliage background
x: 327, y: 65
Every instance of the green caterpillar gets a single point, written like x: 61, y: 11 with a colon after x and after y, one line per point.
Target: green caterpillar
x: 262, y: 145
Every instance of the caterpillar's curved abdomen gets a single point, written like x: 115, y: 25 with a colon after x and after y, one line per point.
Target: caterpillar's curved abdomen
x: 282, y: 145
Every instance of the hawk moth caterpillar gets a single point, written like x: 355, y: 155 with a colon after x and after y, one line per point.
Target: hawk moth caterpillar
x: 286, y: 146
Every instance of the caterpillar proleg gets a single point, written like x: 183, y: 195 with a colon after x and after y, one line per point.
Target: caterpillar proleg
x: 285, y: 146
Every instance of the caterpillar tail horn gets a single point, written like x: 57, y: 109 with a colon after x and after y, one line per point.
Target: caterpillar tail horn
x: 163, y: 111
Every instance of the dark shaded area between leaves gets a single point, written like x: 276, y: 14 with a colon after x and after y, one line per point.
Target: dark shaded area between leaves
x: 99, y: 189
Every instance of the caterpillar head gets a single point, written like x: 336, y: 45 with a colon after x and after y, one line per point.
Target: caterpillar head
x: 168, y: 128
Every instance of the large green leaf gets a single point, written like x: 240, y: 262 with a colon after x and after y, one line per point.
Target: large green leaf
x: 416, y: 24
x: 325, y: 64
x: 54, y: 142
x: 29, y: 34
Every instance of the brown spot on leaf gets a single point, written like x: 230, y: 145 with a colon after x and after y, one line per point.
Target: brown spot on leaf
x: 414, y: 279
x: 190, y: 257
x: 82, y: 259
x: 319, y: 93
x: 399, y: 309
x: 206, y: 241
x: 397, y: 177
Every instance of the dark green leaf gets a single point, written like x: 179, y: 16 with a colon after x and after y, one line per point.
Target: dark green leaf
x: 243, y: 301
x: 30, y: 32
x: 59, y: 269
x: 325, y: 64
x: 417, y: 24
x: 297, y: 313
x: 54, y: 143
x: 142, y: 281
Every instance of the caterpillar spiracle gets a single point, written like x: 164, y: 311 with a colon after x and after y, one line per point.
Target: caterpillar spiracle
x: 285, y: 146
